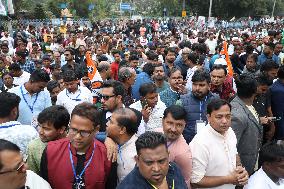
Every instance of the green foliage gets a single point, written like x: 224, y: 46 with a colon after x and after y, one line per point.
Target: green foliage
x: 39, y: 12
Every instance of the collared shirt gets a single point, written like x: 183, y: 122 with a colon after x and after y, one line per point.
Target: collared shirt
x: 31, y: 105
x: 125, y: 159
x: 226, y: 91
x: 18, y: 134
x: 28, y: 66
x: 22, y: 79
x: 34, y: 181
x: 70, y: 100
x: 190, y: 73
x: 169, y: 96
x: 262, y: 58
x: 213, y: 154
x: 165, y: 86
x: 260, y: 180
x: 34, y: 151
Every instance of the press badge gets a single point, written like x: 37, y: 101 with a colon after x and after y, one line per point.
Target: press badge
x: 200, y: 124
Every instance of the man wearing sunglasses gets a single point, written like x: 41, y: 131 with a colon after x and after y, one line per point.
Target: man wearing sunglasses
x: 13, y: 169
x: 79, y: 161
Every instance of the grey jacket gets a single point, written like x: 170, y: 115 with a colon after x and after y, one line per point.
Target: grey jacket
x: 248, y: 132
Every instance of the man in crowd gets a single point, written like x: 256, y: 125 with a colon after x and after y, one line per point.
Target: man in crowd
x: 82, y: 159
x: 217, y: 166
x: 20, y: 76
x: 127, y: 77
x: 104, y: 70
x: 54, y: 89
x: 52, y: 124
x: 195, y: 104
x: 13, y: 170
x: 7, y: 82
x: 270, y: 69
x: 268, y: 53
x: 115, y: 65
x: 245, y: 122
x: 160, y: 78
x: 73, y: 94
x: 251, y: 66
x: 34, y: 98
x: 10, y: 129
x: 20, y: 58
x: 153, y: 168
x: 169, y: 60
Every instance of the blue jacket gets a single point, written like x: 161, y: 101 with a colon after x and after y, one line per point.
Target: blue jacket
x: 262, y: 58
x: 134, y: 180
x: 140, y: 79
x: 169, y: 97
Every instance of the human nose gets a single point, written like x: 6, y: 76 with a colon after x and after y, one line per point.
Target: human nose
x: 156, y: 167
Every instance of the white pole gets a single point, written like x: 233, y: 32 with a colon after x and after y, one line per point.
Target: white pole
x: 210, y: 9
x: 273, y: 8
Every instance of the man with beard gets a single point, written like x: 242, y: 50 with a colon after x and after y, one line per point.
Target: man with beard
x: 10, y: 129
x: 251, y: 66
x: 169, y: 60
x: 53, y: 88
x: 159, y: 78
x: 268, y: 53
x: 195, y: 104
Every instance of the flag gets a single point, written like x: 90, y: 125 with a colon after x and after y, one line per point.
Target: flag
x: 94, y: 76
x: 227, y: 58
x: 3, y: 8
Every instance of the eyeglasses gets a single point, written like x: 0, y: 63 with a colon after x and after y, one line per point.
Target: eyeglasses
x: 73, y: 131
x: 67, y: 54
x: 105, y: 97
x: 19, y: 169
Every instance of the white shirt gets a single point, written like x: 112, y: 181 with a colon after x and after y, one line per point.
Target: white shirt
x: 212, y: 44
x: 34, y: 181
x: 260, y: 180
x: 155, y: 119
x: 213, y: 155
x: 10, y: 41
x: 125, y: 159
x: 189, y: 75
x: 22, y: 79
x: 70, y: 100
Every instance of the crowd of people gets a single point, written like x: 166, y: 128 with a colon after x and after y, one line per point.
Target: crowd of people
x: 174, y: 106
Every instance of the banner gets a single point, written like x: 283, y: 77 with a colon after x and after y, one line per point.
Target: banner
x: 225, y: 53
x: 2, y: 8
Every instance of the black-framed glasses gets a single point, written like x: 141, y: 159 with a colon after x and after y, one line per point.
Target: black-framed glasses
x: 19, y: 168
x: 83, y: 133
x: 105, y: 97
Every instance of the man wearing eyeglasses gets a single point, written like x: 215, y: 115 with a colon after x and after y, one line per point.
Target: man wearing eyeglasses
x: 13, y: 169
x: 79, y: 161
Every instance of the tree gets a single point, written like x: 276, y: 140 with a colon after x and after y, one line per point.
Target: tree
x: 39, y: 12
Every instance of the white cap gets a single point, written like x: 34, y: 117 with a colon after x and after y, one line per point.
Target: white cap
x: 220, y: 61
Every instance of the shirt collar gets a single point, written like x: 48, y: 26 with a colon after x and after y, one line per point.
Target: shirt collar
x: 24, y: 90
x: 216, y: 133
x: 10, y: 123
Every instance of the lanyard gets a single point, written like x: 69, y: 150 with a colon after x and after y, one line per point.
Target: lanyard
x: 7, y: 126
x: 120, y: 155
x: 30, y: 107
x: 173, y: 185
x: 78, y: 177
x: 169, y: 144
x: 75, y: 99
x: 201, y: 104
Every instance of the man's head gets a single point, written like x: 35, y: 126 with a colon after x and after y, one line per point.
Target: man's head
x: 219, y: 115
x: 159, y: 73
x: 270, y: 69
x: 218, y: 74
x: 12, y: 166
x: 84, y: 125
x: 122, y: 125
x: 116, y: 55
x: 170, y: 55
x: 54, y: 89
x: 200, y: 84
x: 15, y: 70
x: 174, y: 122
x: 111, y: 95
x: 272, y: 159
x: 246, y: 86
x: 52, y: 123
x: 104, y: 69
x: 175, y: 79
x: 148, y: 92
x: 38, y: 81
x: 251, y: 62
x: 69, y: 55
x: 268, y: 49
x: 134, y: 61
x: 4, y: 48
x: 127, y: 75
x: 71, y: 81
x: 20, y: 56
x: 46, y: 61
x: 57, y: 56
x: 149, y: 69
x: 152, y: 157
x: 278, y: 48
x: 263, y: 82
x: 9, y: 103
x: 7, y: 79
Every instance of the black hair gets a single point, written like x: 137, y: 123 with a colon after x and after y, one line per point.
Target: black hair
x: 8, y: 101
x: 280, y: 73
x: 216, y: 104
x: 72, y: 52
x: 115, y: 52
x: 149, y: 69
x: 15, y: 67
x: 118, y: 88
x: 102, y: 58
x: 6, y: 73
x: 271, y: 152
x: 262, y: 79
x: 271, y: 45
x: 249, y: 48
x: 39, y: 76
x: 173, y: 70
x: 127, y: 118
x: 170, y: 49
x: 193, y: 57
x: 219, y: 67
x: 69, y: 75
x: 147, y: 88
x: 201, y: 75
x: 150, y: 140
x: 254, y: 57
x: 133, y: 57
x: 246, y: 86
x: 52, y: 85
x: 178, y: 112
x: 7, y: 145
x: 152, y: 55
x: 268, y: 65
x: 56, y: 115
x: 89, y: 111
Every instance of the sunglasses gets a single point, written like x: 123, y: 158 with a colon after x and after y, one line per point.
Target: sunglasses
x: 106, y: 97
x: 18, y: 169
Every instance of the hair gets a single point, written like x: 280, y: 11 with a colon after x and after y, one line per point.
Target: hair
x: 56, y: 115
x: 147, y: 88
x: 170, y: 49
x: 268, y: 65
x: 128, y: 119
x: 7, y: 145
x: 280, y: 73
x: 271, y: 45
x: 70, y: 50
x: 178, y: 112
x: 174, y: 70
x: 69, y: 75
x: 150, y: 140
x: 254, y: 57
x: 89, y: 111
x: 118, y: 88
x: 133, y: 57
x: 271, y: 152
x: 15, y: 67
x: 149, y: 69
x: 219, y: 67
x: 193, y: 57
x: 216, y: 104
x: 103, y: 66
x: 52, y: 85
x: 249, y: 49
x: 115, y: 51
x: 151, y: 55
x: 124, y: 73
x: 6, y: 73
x: 39, y: 76
x: 201, y: 75
x: 102, y: 58
x: 8, y: 101
x: 246, y: 86
x: 262, y: 79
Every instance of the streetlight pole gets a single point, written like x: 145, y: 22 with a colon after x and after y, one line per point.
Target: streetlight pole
x: 210, y: 9
x: 273, y: 8
x: 183, y: 5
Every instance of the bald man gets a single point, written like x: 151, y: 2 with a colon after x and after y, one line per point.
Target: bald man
x: 104, y: 70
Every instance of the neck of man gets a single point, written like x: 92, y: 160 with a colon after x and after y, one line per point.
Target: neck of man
x: 159, y: 83
x: 123, y: 139
x: 5, y: 120
x: 70, y: 62
x: 84, y: 150
x: 170, y: 64
x: 28, y: 87
x: 274, y: 178
x: 248, y: 101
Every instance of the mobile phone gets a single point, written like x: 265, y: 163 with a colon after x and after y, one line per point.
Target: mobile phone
x: 144, y: 103
x: 275, y: 118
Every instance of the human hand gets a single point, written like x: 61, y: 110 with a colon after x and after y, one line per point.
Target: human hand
x: 264, y: 120
x: 146, y: 111
x: 242, y: 175
x: 112, y: 149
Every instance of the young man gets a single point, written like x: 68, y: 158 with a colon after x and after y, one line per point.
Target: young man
x: 7, y: 82
x: 169, y: 60
x: 115, y: 65
x: 52, y: 124
x: 20, y: 76
x: 82, y: 159
x: 54, y: 89
x: 160, y: 78
x: 153, y: 170
x: 216, y: 166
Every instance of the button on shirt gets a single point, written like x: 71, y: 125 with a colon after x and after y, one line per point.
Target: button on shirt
x: 70, y: 100
x: 213, y: 155
x: 31, y: 105
x: 19, y: 134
